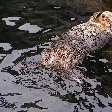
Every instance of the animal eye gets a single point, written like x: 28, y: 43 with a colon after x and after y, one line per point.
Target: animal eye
x: 103, y: 15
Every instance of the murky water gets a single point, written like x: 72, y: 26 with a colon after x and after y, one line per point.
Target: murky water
x: 26, y: 28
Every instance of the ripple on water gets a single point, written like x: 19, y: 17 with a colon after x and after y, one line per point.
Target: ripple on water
x: 42, y: 90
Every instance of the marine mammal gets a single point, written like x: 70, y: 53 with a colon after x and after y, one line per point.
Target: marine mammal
x: 72, y: 46
x: 70, y: 49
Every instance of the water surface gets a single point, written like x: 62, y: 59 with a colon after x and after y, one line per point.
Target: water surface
x: 26, y: 28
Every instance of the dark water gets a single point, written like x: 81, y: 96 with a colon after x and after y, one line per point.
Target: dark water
x: 25, y: 29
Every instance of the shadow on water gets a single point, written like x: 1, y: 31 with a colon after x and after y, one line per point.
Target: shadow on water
x: 27, y: 28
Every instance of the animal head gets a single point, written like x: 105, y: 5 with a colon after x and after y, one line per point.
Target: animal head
x: 102, y: 20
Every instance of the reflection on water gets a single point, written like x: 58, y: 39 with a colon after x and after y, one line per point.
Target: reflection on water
x: 30, y: 28
x: 10, y: 20
x: 57, y: 7
x: 5, y: 46
x: 110, y: 70
x: 72, y: 19
x: 46, y: 30
x: 103, y: 60
x: 41, y: 89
